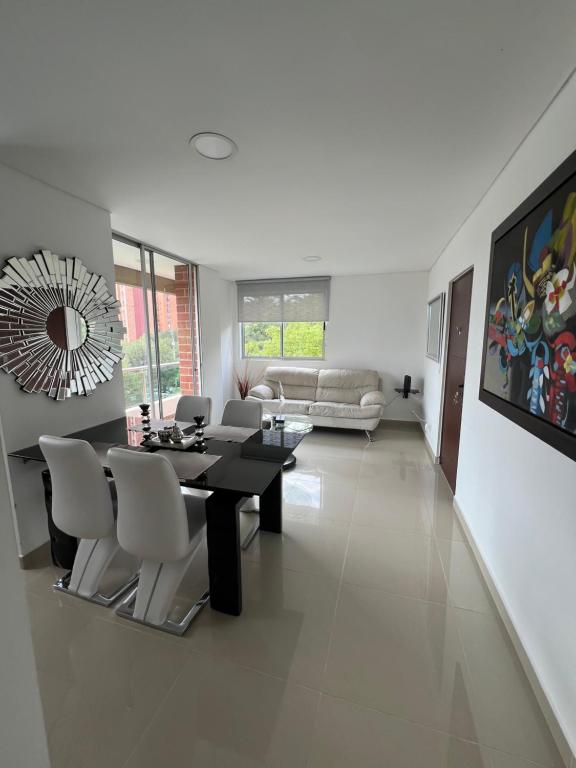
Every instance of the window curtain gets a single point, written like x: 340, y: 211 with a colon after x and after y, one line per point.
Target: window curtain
x: 297, y: 300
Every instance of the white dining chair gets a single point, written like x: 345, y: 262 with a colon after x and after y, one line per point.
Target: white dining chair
x: 84, y: 506
x: 162, y: 525
x: 189, y: 406
x: 242, y: 413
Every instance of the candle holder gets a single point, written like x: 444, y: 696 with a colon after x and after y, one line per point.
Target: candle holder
x: 200, y: 427
x: 145, y: 419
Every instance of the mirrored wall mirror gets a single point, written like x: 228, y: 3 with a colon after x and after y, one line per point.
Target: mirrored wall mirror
x: 59, y: 326
x: 435, y: 324
x: 66, y: 327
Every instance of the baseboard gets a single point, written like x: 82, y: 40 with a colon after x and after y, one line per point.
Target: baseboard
x: 564, y: 748
x: 38, y: 558
x: 435, y: 459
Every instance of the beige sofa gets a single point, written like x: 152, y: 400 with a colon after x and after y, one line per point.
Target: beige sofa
x: 329, y: 397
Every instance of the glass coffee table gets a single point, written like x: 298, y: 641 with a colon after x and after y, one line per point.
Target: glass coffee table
x: 284, y: 434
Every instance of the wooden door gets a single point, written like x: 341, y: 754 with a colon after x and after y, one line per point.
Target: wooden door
x: 455, y: 371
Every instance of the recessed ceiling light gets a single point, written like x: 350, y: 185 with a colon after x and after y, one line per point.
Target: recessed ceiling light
x: 312, y: 257
x: 214, y: 146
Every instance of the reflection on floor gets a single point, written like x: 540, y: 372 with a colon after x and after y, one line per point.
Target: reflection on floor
x: 367, y: 639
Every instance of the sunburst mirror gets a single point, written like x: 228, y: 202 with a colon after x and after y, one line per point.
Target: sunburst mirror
x: 59, y: 326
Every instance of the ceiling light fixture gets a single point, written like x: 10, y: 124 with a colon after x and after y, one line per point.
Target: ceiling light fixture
x: 214, y: 146
x: 312, y: 257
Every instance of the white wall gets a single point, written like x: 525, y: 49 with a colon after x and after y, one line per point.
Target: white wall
x: 34, y: 215
x: 516, y: 492
x: 376, y: 322
x: 22, y: 735
x: 217, y: 306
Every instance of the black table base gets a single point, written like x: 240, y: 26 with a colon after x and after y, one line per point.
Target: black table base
x: 271, y: 506
x: 224, y: 560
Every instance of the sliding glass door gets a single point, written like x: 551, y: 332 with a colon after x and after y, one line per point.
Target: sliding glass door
x: 157, y: 293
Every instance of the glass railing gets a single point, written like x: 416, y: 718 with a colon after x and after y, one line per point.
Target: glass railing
x: 137, y: 385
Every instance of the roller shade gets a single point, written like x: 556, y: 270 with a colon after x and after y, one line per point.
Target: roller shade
x: 296, y: 300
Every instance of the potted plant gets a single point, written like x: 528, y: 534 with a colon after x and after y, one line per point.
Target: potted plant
x: 245, y: 380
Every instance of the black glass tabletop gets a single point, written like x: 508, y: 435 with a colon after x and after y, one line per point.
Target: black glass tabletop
x: 245, y: 467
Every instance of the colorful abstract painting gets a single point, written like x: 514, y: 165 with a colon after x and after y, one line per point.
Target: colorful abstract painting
x: 530, y: 345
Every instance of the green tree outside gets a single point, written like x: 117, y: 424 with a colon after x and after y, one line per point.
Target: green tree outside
x: 300, y: 340
x: 136, y: 389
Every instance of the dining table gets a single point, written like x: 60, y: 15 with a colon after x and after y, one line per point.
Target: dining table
x: 238, y: 464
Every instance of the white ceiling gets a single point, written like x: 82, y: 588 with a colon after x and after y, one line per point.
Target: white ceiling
x: 367, y: 129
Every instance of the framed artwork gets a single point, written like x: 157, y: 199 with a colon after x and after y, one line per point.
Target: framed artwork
x: 529, y: 355
x: 435, y: 324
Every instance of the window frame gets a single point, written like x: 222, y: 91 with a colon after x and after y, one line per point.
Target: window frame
x: 147, y: 251
x: 282, y: 324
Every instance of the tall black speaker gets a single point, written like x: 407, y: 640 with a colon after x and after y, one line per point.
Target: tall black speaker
x: 407, y: 386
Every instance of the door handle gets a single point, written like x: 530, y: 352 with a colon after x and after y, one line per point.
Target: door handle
x: 457, y: 398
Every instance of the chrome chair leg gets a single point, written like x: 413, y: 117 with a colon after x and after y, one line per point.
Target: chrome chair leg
x: 63, y: 585
x: 90, y: 564
x: 126, y: 611
x: 149, y: 603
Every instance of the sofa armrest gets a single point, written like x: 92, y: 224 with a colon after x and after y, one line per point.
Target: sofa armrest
x: 262, y: 392
x: 373, y: 398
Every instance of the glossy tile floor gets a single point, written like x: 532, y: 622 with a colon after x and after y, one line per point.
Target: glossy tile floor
x: 367, y: 639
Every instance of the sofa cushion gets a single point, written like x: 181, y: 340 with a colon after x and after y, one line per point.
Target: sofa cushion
x: 290, y: 406
x: 342, y: 385
x: 297, y: 383
x: 346, y: 410
x: 261, y: 392
x: 373, y: 398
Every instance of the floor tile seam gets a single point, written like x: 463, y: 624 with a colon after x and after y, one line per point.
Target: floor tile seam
x: 314, y: 731
x: 391, y: 593
x: 335, y: 525
x: 396, y: 497
x: 444, y: 572
x: 453, y: 604
x: 446, y: 538
x: 474, y: 685
x: 155, y: 714
x: 385, y: 494
x: 385, y: 529
x: 190, y: 652
x: 216, y: 657
x: 491, y: 614
x: 299, y: 570
x: 389, y: 529
x: 335, y: 611
x: 395, y: 459
x: 324, y: 518
x: 425, y: 726
x: 466, y: 660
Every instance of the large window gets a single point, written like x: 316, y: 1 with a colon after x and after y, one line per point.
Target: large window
x: 157, y: 294
x: 286, y: 340
x: 283, y: 318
